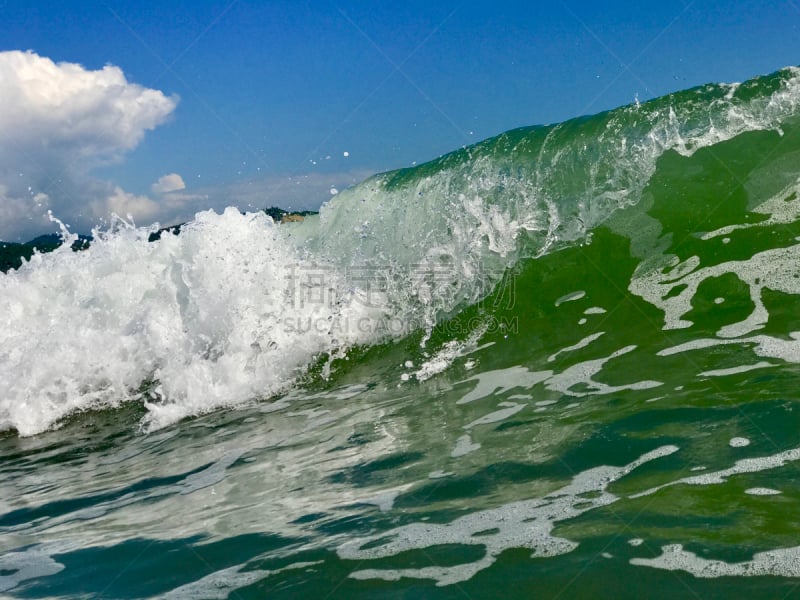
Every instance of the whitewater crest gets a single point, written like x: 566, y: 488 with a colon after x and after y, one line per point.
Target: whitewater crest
x: 188, y: 323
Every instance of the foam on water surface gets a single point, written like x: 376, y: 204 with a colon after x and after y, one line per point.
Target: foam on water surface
x: 762, y: 491
x: 584, y: 373
x: 579, y: 374
x: 449, y: 352
x: 763, y: 345
x: 508, y: 409
x: 735, y: 370
x: 776, y: 269
x: 32, y: 563
x: 525, y: 524
x: 747, y: 465
x: 783, y: 562
x: 570, y: 297
x: 221, y: 584
x: 581, y: 344
x: 781, y: 209
x: 529, y: 524
x: 674, y: 288
x: 464, y: 446
x: 503, y: 380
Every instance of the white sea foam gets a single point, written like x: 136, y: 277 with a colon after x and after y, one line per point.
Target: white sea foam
x: 762, y: 491
x: 673, y: 290
x: 508, y: 409
x: 774, y: 269
x: 581, y: 344
x: 747, y: 465
x: 583, y: 373
x: 503, y: 380
x: 224, y: 583
x: 384, y: 499
x: 763, y: 345
x: 32, y: 563
x: 464, y: 446
x: 525, y: 524
x: 445, y: 356
x: 735, y: 370
x: 782, y: 208
x: 439, y: 474
x: 783, y: 562
x: 570, y: 297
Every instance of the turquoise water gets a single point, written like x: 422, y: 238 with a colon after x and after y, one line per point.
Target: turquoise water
x: 560, y: 363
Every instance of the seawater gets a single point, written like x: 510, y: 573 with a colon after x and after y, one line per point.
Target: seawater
x: 562, y: 362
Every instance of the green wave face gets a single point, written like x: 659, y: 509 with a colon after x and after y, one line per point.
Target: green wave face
x: 534, y: 190
x: 554, y: 183
x: 651, y: 313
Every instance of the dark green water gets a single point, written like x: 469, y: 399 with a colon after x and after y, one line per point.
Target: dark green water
x: 617, y: 418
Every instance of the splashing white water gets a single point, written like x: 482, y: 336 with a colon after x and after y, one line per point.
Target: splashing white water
x: 212, y: 317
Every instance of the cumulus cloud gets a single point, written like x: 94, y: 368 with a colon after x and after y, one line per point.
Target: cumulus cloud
x: 98, y: 113
x: 125, y: 204
x: 176, y: 205
x: 168, y: 183
x: 58, y: 121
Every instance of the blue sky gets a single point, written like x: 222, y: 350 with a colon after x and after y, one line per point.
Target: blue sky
x: 260, y: 101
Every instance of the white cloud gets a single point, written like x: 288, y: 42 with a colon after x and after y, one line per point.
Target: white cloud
x: 57, y: 122
x: 168, y: 183
x: 141, y: 208
x: 98, y: 113
x: 176, y: 205
x: 32, y: 206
